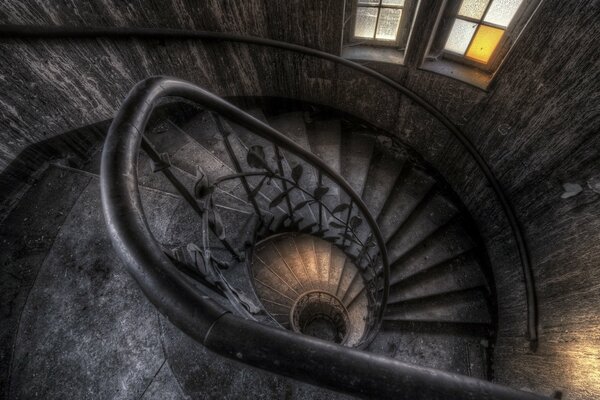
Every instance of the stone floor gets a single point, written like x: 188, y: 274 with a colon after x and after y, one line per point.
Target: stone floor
x: 74, y: 323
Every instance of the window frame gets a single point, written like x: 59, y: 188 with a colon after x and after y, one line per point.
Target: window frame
x: 403, y: 27
x: 511, y: 33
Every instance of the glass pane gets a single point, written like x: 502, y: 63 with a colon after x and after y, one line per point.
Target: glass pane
x: 460, y: 36
x: 501, y: 12
x: 485, y: 42
x: 369, y: 2
x: 393, y: 2
x: 473, y: 8
x: 389, y: 19
x: 366, y: 18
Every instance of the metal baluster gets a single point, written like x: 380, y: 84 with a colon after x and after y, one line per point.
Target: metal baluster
x: 347, y: 222
x: 181, y: 189
x: 236, y: 164
x: 285, y: 185
x: 320, y: 183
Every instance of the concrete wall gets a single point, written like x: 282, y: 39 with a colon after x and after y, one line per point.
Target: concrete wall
x: 537, y: 127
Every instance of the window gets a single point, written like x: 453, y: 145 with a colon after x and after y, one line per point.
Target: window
x: 479, y: 28
x: 381, y: 22
x: 472, y: 37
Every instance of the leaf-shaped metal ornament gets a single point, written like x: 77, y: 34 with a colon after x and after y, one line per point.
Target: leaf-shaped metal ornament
x: 308, y: 228
x: 295, y: 224
x: 217, y: 223
x: 355, y: 221
x: 297, y: 173
x: 256, y: 158
x: 321, y: 232
x: 320, y: 192
x: 163, y: 163
x: 337, y: 225
x: 257, y: 188
x: 202, y: 187
x: 278, y: 199
x: 351, y: 238
x: 340, y: 208
x: 302, y: 204
x: 370, y: 241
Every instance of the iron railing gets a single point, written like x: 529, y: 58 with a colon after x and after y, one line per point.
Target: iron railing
x: 27, y: 31
x: 322, y: 363
x: 300, y: 197
x: 327, y: 364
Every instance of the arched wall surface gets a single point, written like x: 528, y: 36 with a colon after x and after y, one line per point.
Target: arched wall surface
x: 537, y: 127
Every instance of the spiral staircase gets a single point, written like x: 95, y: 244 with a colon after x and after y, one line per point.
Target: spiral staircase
x: 437, y: 277
x: 287, y: 233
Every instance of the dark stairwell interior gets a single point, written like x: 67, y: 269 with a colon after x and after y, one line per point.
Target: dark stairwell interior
x: 435, y: 280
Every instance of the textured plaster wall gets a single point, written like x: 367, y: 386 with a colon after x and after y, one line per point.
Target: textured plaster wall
x: 537, y: 126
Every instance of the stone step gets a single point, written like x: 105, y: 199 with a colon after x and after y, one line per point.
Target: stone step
x: 444, y: 244
x: 459, y: 273
x: 468, y: 305
x: 409, y: 191
x: 427, y: 218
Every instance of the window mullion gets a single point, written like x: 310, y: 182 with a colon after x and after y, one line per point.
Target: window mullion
x: 468, y: 19
x: 471, y: 41
x: 377, y: 20
x: 487, y: 8
x: 400, y: 29
x: 478, y: 22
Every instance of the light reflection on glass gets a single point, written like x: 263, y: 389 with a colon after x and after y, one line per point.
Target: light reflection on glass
x: 501, y: 12
x: 473, y: 8
x: 484, y: 43
x: 366, y: 19
x: 389, y: 19
x: 460, y: 36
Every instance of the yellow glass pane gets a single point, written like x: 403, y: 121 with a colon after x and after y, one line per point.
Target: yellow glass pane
x: 484, y: 43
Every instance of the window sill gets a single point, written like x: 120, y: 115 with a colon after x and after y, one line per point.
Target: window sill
x: 373, y: 53
x: 463, y: 73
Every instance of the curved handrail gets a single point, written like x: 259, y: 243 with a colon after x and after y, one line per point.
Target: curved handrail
x: 323, y: 363
x: 136, y: 111
x: 159, y: 33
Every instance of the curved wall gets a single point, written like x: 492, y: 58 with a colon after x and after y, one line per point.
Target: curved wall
x: 537, y: 127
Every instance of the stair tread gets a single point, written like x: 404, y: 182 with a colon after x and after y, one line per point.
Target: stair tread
x: 293, y: 126
x: 446, y: 243
x: 459, y: 328
x: 194, y: 155
x: 167, y: 137
x: 323, y: 261
x: 338, y: 260
x: 425, y: 220
x: 409, y: 191
x: 306, y: 248
x: 356, y: 155
x: 355, y: 286
x: 466, y: 306
x: 288, y: 246
x: 345, y: 278
x: 241, y: 140
x: 267, y: 292
x: 382, y: 175
x: 204, y: 130
x: 269, y: 255
x: 324, y: 138
x: 325, y: 141
x: 272, y: 189
x: 460, y: 273
x: 272, y: 278
x: 156, y: 180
